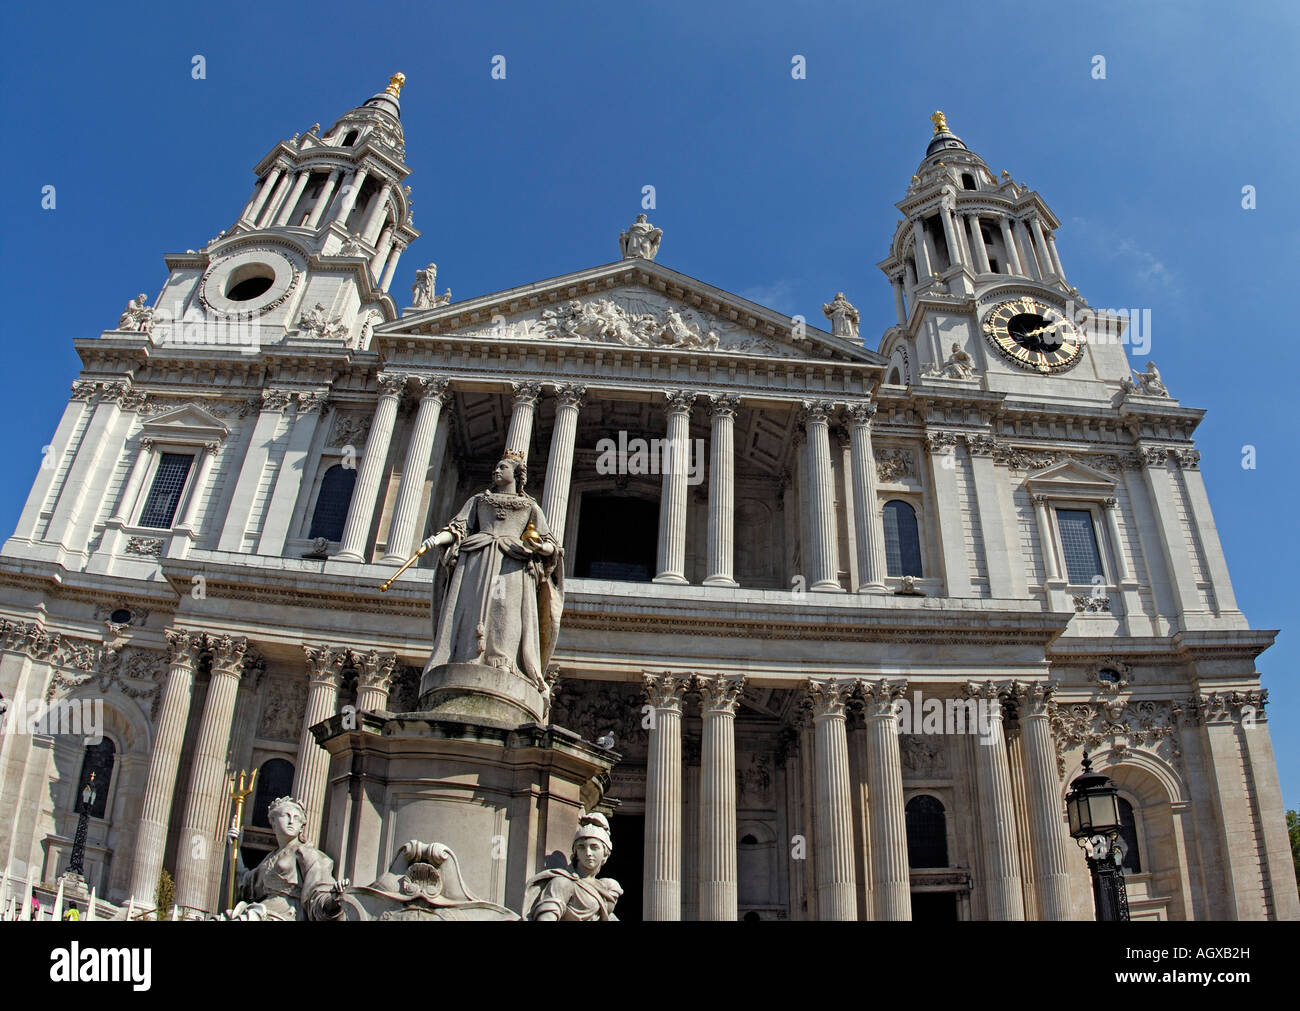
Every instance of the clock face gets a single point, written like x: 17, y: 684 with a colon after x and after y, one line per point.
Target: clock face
x: 1034, y: 336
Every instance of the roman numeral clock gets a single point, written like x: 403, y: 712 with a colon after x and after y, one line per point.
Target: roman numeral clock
x: 1034, y: 336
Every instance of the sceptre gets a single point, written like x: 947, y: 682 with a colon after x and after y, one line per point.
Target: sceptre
x: 405, y: 565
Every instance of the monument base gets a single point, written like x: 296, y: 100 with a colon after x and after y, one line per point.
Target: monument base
x: 505, y: 797
x: 480, y: 692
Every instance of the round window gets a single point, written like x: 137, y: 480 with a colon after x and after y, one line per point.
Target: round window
x: 120, y: 617
x: 249, y: 281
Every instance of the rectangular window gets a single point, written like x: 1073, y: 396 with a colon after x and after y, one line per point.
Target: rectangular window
x: 165, y: 495
x: 1079, y: 542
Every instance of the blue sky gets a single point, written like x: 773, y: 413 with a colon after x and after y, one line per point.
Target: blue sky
x: 776, y: 188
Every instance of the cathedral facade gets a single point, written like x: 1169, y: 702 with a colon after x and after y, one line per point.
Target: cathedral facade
x: 850, y: 618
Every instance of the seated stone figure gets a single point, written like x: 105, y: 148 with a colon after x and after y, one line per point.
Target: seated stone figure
x: 296, y: 882
x: 575, y: 892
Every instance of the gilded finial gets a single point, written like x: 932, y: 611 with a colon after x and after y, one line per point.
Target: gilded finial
x: 395, y: 84
x: 940, y: 123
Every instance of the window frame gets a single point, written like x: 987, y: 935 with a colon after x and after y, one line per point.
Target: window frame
x: 914, y: 500
x: 1094, y: 511
x: 157, y: 451
x: 325, y: 461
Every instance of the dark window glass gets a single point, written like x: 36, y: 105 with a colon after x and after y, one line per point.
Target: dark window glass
x: 99, y: 760
x: 1079, y: 541
x: 165, y: 495
x: 1129, y: 834
x: 274, y: 780
x: 967, y: 181
x: 332, y: 503
x: 902, y: 543
x: 927, y: 832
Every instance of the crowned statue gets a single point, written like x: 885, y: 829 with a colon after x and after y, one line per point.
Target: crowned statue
x: 575, y: 892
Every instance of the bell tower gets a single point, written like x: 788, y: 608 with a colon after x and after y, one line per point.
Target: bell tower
x: 313, y: 251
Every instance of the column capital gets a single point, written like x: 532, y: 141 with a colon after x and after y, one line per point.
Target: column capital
x: 571, y: 395
x: 434, y: 388
x: 723, y: 405
x: 828, y: 696
x: 324, y: 664
x: 878, y: 697
x: 527, y: 392
x: 228, y: 654
x: 392, y: 384
x: 312, y: 401
x: 988, y: 689
x: 1032, y: 697
x: 980, y: 445
x: 184, y: 647
x: 861, y: 412
x: 1041, y: 500
x: 940, y: 443
x: 816, y: 411
x: 665, y: 690
x: 679, y: 401
x: 719, y: 693
x: 276, y: 399
x: 374, y: 669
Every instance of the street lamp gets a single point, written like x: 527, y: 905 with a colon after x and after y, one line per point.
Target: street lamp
x: 77, y: 864
x: 1093, y: 808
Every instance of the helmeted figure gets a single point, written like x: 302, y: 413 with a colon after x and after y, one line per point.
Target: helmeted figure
x: 575, y: 892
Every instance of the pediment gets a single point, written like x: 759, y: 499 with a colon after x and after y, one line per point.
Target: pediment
x: 633, y: 304
x: 1071, y: 476
x: 189, y: 422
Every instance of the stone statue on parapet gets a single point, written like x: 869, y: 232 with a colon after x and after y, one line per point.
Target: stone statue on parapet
x: 641, y: 240
x: 424, y: 293
x: 576, y: 892
x: 138, y: 317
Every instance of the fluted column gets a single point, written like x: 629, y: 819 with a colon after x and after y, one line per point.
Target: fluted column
x: 977, y: 244
x: 356, y: 532
x: 1009, y: 241
x: 819, y: 484
x: 900, y: 305
x: 374, y: 679
x: 260, y: 197
x: 570, y: 399
x: 997, y: 817
x: 201, y: 837
x: 718, y: 875
x: 891, y: 882
x: 866, y: 511
x: 722, y: 490
x: 837, y: 897
x: 1040, y: 245
x: 1036, y: 271
x: 374, y: 220
x: 311, y: 772
x: 390, y: 269
x: 1055, y: 256
x: 383, y: 247
x: 520, y: 436
x: 267, y: 212
x: 164, y: 760
x: 921, y: 252
x: 295, y: 194
x: 1047, y: 825
x: 955, y: 252
x: 672, y: 497
x: 324, y: 198
x: 662, y: 896
x: 406, y: 513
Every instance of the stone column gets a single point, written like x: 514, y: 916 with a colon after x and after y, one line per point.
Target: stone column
x: 348, y: 196
x: 520, y: 436
x: 164, y: 760
x: 570, y: 399
x: 126, y: 503
x: 837, y: 897
x: 1056, y: 257
x: 394, y: 255
x: 672, y: 498
x: 819, y: 482
x: 1045, y: 544
x: 950, y: 233
x: 356, y: 532
x: 1047, y: 825
x: 323, y: 200
x: 1040, y: 245
x: 202, y: 839
x: 997, y: 816
x: 662, y: 897
x: 900, y: 304
x: 1013, y: 254
x: 259, y: 199
x: 891, y: 881
x: 374, y: 216
x: 921, y: 252
x: 977, y: 244
x: 402, y: 533
x: 374, y: 679
x: 295, y: 194
x: 382, y: 248
x: 267, y: 213
x: 311, y: 771
x: 1030, y: 260
x: 718, y: 874
x: 867, y: 521
x: 722, y: 490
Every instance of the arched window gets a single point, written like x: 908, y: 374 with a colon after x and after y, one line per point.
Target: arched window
x: 902, y: 542
x: 274, y: 779
x: 1129, y: 834
x: 332, y: 503
x: 350, y: 138
x: 99, y: 760
x: 927, y: 832
x: 968, y: 181
x: 895, y: 379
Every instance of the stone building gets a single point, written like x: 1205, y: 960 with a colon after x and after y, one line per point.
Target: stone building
x: 989, y: 507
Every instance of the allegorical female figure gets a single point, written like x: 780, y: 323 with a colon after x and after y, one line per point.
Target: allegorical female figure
x: 575, y: 892
x: 296, y: 882
x: 498, y: 598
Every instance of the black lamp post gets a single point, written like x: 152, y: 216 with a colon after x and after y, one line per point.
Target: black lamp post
x: 1093, y: 808
x: 77, y: 864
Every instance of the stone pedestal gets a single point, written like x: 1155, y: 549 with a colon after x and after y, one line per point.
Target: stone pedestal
x: 476, y: 691
x: 505, y: 796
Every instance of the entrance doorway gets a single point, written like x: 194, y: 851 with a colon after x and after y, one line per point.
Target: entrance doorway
x: 617, y: 538
x: 627, y: 863
x: 934, y: 907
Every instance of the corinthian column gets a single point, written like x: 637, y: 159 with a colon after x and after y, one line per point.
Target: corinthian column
x: 662, y: 897
x: 311, y: 773
x: 819, y: 485
x: 997, y: 816
x: 406, y: 514
x: 374, y: 679
x: 1047, y: 827
x: 164, y: 759
x: 356, y: 532
x: 722, y: 490
x: 202, y: 839
x: 718, y: 875
x: 836, y: 887
x: 672, y: 498
x: 866, y: 514
x: 891, y: 881
x: 521, y: 419
x: 570, y: 399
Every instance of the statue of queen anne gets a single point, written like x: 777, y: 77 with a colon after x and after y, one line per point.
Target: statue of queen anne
x: 498, y: 597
